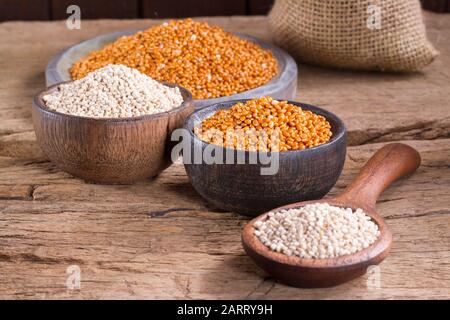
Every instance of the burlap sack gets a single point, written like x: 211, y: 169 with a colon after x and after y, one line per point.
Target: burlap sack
x: 387, y: 35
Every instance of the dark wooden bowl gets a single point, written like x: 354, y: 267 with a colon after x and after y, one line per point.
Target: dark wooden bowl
x: 108, y: 150
x: 302, y: 175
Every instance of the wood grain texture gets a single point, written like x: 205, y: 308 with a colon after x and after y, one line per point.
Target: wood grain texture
x: 291, y: 176
x: 163, y: 240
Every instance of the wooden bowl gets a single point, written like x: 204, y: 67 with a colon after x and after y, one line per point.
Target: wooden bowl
x: 108, y: 150
x: 302, y: 175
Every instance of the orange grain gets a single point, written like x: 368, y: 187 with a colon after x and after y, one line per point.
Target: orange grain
x: 204, y: 59
x: 296, y: 128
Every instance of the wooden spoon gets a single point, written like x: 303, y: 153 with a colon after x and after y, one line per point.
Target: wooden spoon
x: 386, y: 165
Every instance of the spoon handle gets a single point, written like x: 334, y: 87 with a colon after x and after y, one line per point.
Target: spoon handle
x: 388, y: 164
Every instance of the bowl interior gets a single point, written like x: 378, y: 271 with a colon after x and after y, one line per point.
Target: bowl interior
x: 337, y: 126
x: 381, y: 244
x: 285, y: 81
x: 186, y: 94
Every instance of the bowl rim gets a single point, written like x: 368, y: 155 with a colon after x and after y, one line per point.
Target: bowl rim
x: 336, y: 138
x: 267, y: 45
x: 39, y: 103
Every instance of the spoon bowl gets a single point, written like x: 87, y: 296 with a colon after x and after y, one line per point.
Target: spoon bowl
x: 310, y: 273
x: 388, y: 164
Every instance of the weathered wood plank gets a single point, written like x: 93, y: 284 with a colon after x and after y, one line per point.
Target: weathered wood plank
x: 15, y: 192
x: 53, y: 186
x: 166, y: 243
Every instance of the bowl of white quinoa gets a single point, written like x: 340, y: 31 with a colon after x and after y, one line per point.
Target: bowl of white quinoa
x: 112, y: 126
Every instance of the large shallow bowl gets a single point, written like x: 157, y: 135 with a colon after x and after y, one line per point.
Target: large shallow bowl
x: 282, y: 86
x: 108, y: 150
x: 302, y: 174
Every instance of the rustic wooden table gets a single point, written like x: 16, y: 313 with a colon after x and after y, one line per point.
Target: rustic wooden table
x: 159, y: 239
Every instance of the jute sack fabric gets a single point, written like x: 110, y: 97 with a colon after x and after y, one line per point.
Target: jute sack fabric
x: 386, y: 35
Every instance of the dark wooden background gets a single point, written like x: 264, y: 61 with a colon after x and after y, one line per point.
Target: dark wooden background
x: 95, y: 9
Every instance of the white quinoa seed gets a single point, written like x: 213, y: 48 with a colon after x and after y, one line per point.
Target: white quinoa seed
x: 114, y: 91
x: 317, y: 231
